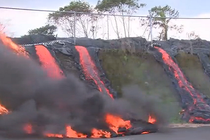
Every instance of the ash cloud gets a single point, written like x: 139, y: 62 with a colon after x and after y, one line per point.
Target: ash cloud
x: 47, y: 104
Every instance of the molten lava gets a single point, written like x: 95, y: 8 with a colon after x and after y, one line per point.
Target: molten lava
x: 90, y: 69
x: 183, y: 83
x: 16, y: 48
x: 115, y: 122
x: 151, y: 120
x: 48, y: 62
x: 91, y: 73
x: 53, y: 70
x: 3, y: 110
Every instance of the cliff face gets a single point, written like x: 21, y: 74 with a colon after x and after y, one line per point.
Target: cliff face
x: 129, y: 61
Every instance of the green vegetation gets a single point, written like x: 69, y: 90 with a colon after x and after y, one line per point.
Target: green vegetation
x: 192, y: 68
x: 67, y: 21
x: 122, y: 7
x: 78, y: 14
x: 161, y: 22
x: 123, y: 68
x: 46, y: 30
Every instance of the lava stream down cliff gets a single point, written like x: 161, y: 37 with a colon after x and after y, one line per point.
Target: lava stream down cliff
x: 195, y: 107
x: 52, y: 109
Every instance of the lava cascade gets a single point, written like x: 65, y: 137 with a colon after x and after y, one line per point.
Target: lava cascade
x: 90, y: 69
x: 48, y: 62
x: 3, y: 110
x: 19, y: 50
x: 16, y: 48
x: 91, y: 73
x: 198, y: 101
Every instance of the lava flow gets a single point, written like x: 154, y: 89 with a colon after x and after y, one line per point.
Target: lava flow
x: 91, y: 73
x: 114, y: 123
x: 48, y: 62
x: 90, y: 69
x: 3, y: 110
x: 198, y: 103
x: 19, y: 50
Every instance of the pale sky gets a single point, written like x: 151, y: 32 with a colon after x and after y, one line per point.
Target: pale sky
x: 19, y: 22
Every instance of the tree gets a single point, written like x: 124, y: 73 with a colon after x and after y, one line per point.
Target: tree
x: 162, y: 17
x: 192, y: 35
x: 79, y: 21
x: 46, y: 30
x: 119, y: 6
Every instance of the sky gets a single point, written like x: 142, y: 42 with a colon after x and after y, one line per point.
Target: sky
x: 18, y: 23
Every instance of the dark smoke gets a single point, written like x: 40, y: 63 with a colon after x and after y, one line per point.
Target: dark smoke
x: 143, y: 105
x: 47, y: 104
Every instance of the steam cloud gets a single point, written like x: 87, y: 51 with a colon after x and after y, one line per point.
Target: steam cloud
x: 50, y: 104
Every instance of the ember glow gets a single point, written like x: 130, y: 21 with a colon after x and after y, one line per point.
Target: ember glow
x: 90, y: 69
x: 183, y: 83
x: 28, y: 128
x: 48, y: 62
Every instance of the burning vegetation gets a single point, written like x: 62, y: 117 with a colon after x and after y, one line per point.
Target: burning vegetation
x: 43, y: 102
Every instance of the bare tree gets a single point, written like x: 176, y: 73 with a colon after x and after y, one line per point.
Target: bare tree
x: 192, y: 36
x: 78, y: 21
x: 122, y: 7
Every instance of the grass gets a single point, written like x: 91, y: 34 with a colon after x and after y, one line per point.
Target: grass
x: 123, y: 68
x: 192, y: 68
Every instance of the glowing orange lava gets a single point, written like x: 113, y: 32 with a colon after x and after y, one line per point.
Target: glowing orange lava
x: 6, y: 41
x: 183, y: 83
x: 151, y: 120
x: 179, y: 75
x: 3, y: 110
x: 91, y: 73
x: 53, y: 70
x: 115, y: 122
x: 48, y: 62
x: 90, y: 69
x: 70, y: 133
x: 16, y: 48
x: 51, y: 135
x: 100, y: 133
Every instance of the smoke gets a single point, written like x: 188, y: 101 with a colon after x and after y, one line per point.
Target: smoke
x: 49, y: 104
x: 143, y: 105
x: 33, y: 97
